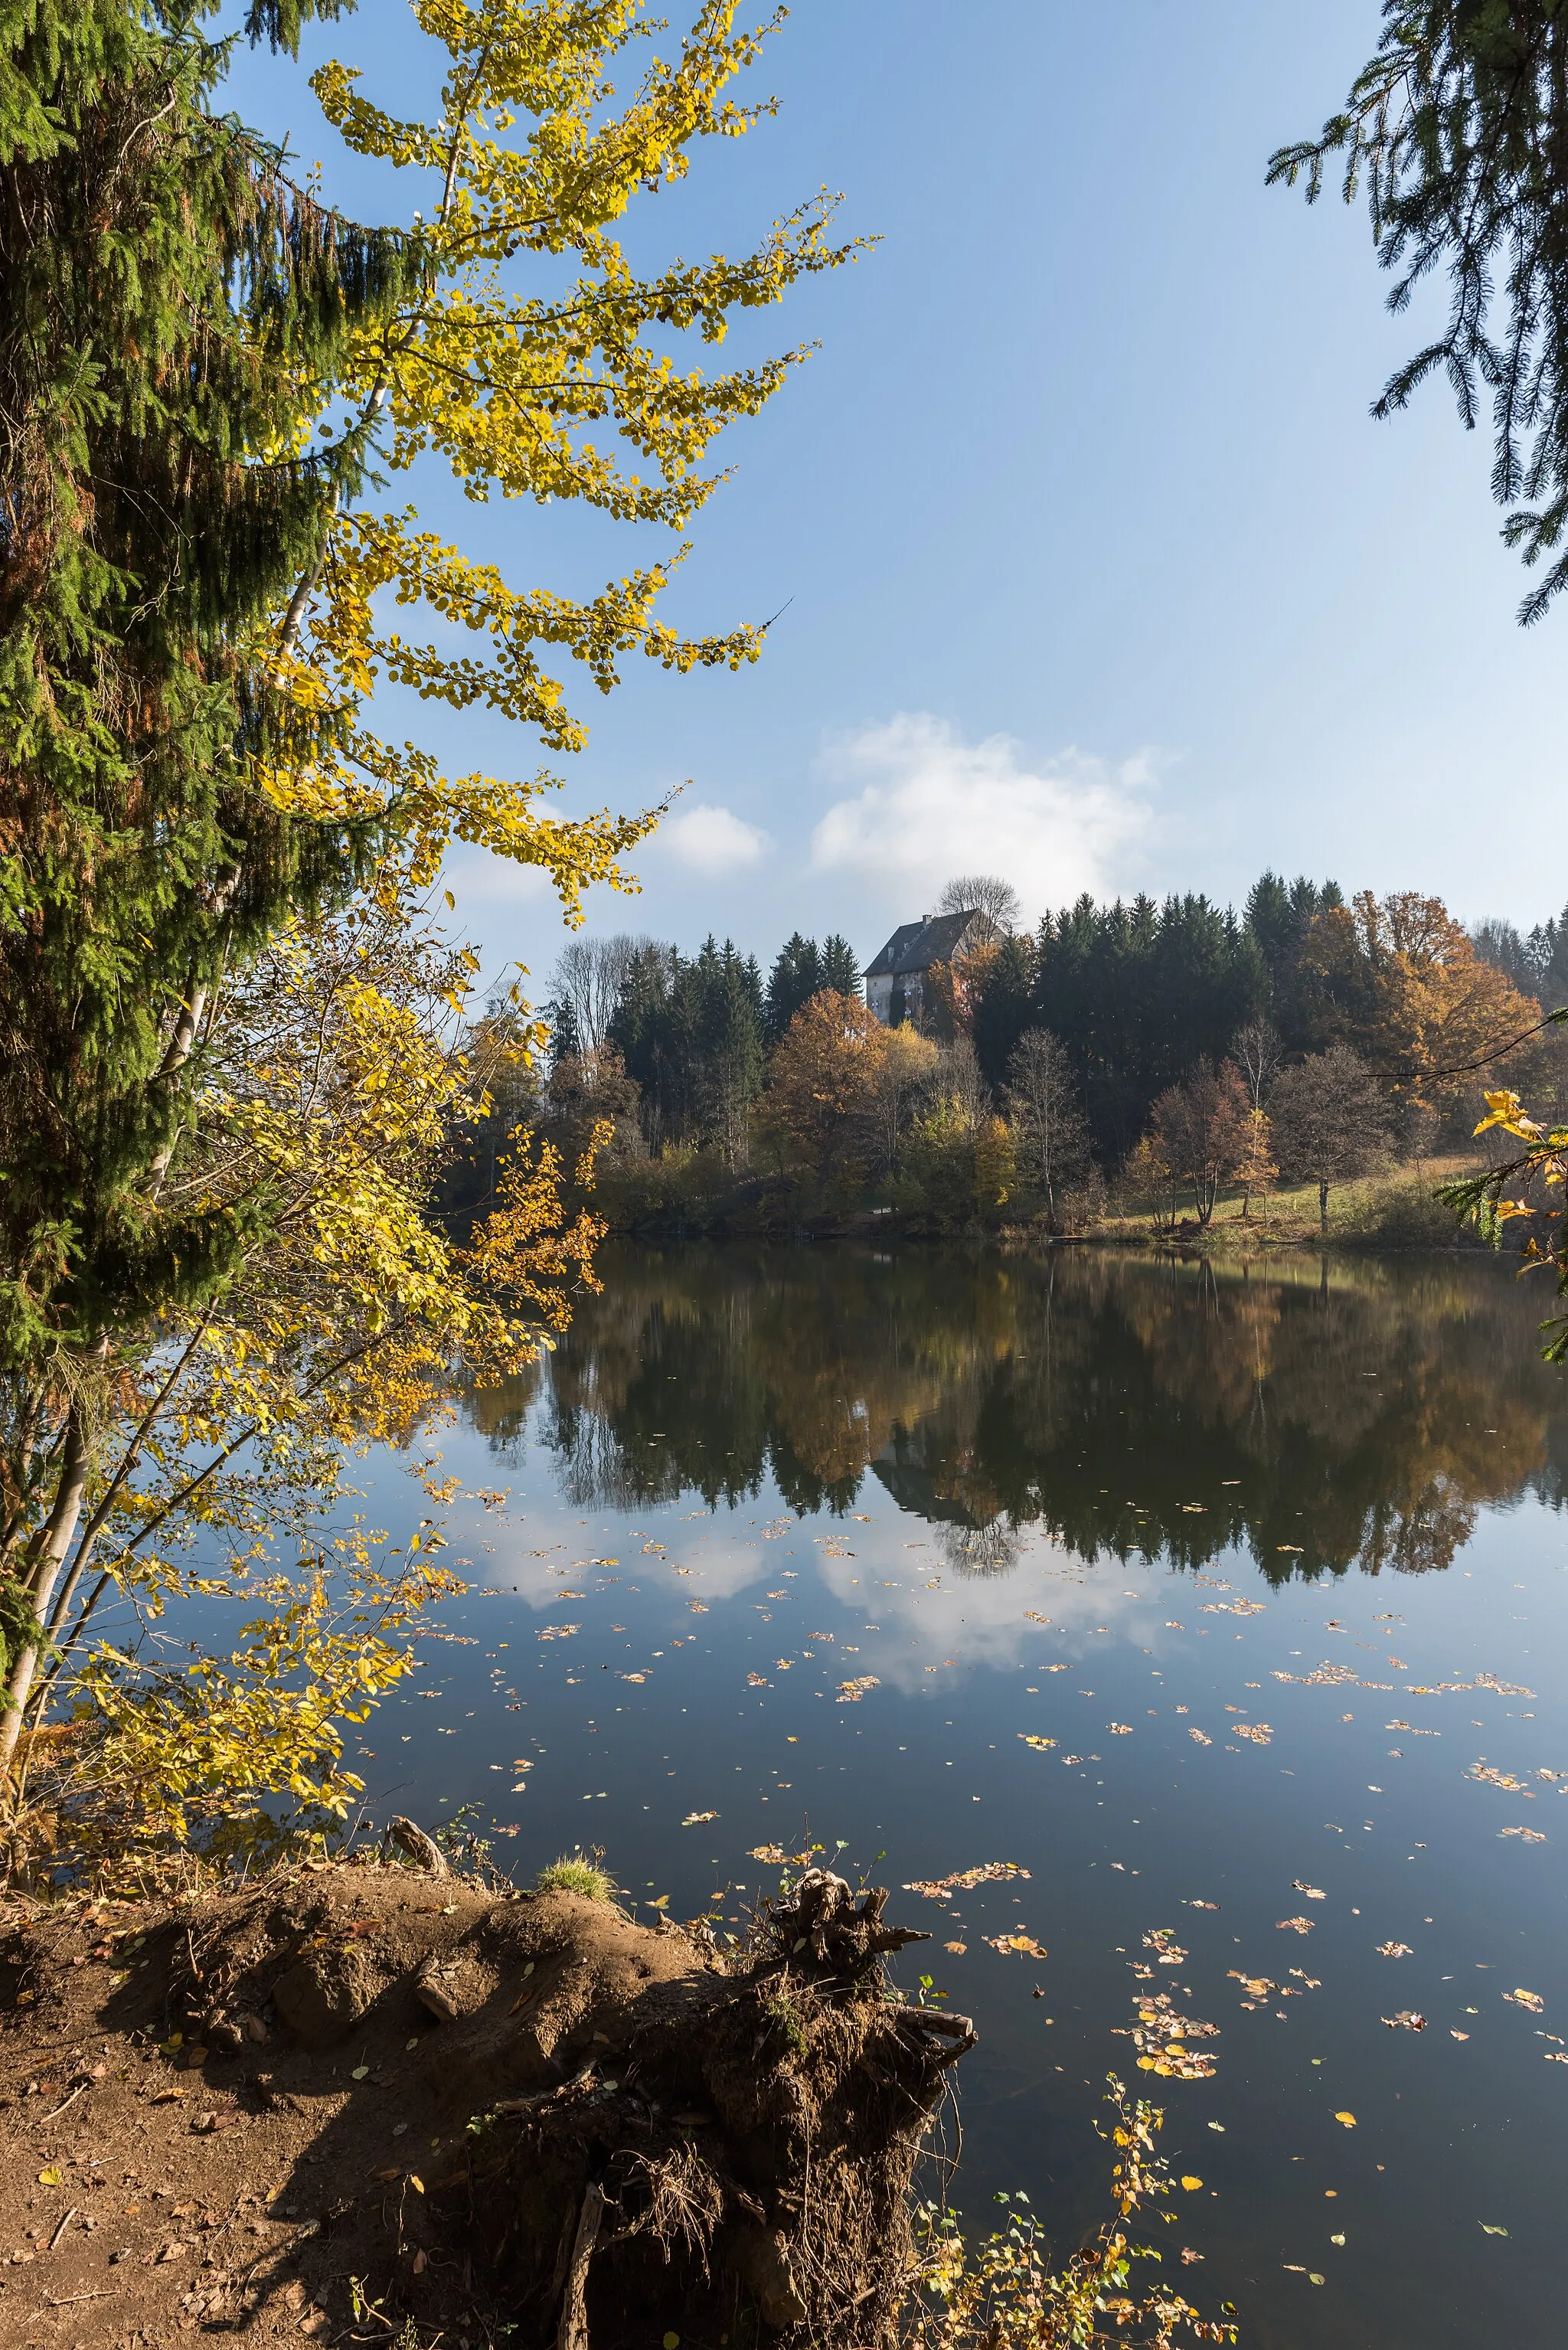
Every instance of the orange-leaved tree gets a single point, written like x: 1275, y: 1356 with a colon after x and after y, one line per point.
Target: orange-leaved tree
x: 1202, y: 1125
x: 821, y: 1089
x: 1406, y: 988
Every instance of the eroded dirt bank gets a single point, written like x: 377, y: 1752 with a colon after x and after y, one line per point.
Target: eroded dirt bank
x: 369, y: 2103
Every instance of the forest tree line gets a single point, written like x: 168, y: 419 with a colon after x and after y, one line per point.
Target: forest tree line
x: 1174, y: 1050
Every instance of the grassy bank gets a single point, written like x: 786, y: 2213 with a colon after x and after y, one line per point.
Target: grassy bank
x: 692, y: 1194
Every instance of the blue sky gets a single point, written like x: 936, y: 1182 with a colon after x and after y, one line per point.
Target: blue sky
x: 1096, y: 570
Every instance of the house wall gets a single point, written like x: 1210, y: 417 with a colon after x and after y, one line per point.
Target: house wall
x: 895, y: 1000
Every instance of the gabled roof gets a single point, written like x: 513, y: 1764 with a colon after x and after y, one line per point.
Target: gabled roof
x: 916, y: 946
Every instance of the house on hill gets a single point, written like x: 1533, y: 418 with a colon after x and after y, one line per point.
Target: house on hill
x: 898, y: 980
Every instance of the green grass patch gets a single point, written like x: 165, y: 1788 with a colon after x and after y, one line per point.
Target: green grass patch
x: 575, y: 1875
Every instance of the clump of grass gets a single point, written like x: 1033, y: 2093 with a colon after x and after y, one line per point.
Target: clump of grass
x: 573, y: 1874
x: 782, y: 2013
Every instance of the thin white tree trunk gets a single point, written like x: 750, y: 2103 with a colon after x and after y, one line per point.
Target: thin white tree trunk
x: 59, y: 1533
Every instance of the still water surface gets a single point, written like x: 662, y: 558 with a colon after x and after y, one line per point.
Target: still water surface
x: 801, y: 1546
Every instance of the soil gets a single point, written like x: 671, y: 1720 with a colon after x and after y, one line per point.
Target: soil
x: 375, y: 2104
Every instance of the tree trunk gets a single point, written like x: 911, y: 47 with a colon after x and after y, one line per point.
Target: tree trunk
x: 59, y: 1531
x: 1323, y: 1207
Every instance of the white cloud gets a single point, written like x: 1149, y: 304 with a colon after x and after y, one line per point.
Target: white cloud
x: 933, y: 805
x: 711, y: 840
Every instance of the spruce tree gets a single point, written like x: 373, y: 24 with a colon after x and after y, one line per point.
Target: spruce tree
x: 1457, y: 130
x: 797, y: 976
x: 840, y: 965
x: 172, y: 309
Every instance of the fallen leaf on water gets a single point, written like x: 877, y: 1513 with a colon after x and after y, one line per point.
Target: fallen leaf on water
x: 1406, y: 2020
x: 1160, y: 2036
x: 1257, y: 1987
x: 964, y: 1880
x: 1025, y: 1943
x: 695, y: 1819
x: 1489, y: 2231
x: 1043, y: 1745
x: 1336, y: 2240
x: 851, y: 1692
x: 1198, y: 1739
x: 1393, y: 1950
x: 1457, y: 2035
x: 1191, y: 2184
x: 1348, y: 2120
x: 1292, y: 1925
x: 1188, y: 2255
x: 1119, y: 1728
x: 1530, y: 1999
x: 1528, y: 1835
x: 1311, y: 1891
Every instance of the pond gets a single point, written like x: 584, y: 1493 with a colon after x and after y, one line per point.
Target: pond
x: 1224, y: 1608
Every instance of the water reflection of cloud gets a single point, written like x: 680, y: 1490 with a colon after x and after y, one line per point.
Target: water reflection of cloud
x: 537, y: 1561
x: 718, y: 1567
x: 923, y: 1618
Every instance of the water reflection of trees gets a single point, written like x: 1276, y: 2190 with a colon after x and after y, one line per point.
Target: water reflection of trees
x: 1360, y: 1416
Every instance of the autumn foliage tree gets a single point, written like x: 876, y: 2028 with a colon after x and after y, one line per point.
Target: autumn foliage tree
x: 1201, y: 1127
x: 823, y: 1083
x: 1257, y: 1169
x: 529, y: 344
x: 1047, y: 1111
x: 1329, y: 1120
x: 220, y: 1445
x: 1412, y: 995
x: 206, y: 1247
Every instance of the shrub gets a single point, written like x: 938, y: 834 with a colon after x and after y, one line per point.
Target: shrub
x: 1400, y: 1215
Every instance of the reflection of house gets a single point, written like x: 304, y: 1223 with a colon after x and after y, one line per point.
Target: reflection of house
x: 897, y: 982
